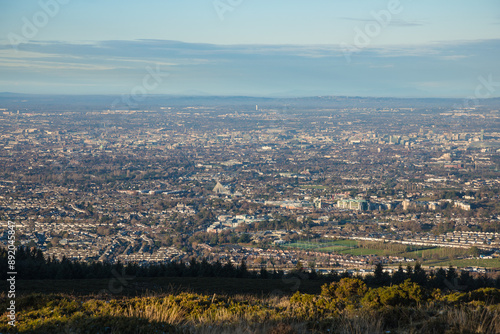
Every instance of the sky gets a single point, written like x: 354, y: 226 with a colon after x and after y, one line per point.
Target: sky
x: 401, y: 48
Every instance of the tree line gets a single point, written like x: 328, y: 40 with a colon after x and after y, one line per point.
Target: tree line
x: 32, y: 264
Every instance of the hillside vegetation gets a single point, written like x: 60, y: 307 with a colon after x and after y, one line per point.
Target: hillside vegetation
x: 347, y: 306
x: 199, y: 297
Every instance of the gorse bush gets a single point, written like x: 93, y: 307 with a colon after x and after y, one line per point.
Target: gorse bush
x: 404, y: 294
x: 349, y: 290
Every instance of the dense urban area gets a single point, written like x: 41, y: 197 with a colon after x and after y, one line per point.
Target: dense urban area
x: 321, y: 183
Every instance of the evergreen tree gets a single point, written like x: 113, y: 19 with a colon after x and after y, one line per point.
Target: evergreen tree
x: 419, y: 276
x: 242, y: 270
x: 399, y: 276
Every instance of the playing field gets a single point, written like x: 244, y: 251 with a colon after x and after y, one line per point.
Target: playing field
x: 432, y: 256
x: 324, y: 246
x: 483, y: 263
x: 368, y: 251
x: 337, y: 246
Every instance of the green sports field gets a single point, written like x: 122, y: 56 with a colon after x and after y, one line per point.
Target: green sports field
x: 431, y: 256
x: 324, y: 246
x: 483, y: 263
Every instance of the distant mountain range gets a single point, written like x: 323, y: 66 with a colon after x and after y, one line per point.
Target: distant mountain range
x: 61, y: 102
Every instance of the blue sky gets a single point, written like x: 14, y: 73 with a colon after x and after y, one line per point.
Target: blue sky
x: 404, y: 48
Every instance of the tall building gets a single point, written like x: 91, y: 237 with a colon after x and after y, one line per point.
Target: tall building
x: 353, y: 204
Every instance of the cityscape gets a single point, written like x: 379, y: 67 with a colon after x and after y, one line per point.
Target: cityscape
x: 254, y: 167
x: 254, y: 183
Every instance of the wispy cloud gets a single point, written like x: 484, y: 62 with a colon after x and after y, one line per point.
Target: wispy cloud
x: 454, y: 57
x: 394, y: 21
x: 382, y: 66
x: 108, y: 66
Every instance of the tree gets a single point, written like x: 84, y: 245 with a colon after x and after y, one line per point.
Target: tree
x: 299, y: 266
x: 244, y: 238
x: 474, y: 251
x: 242, y: 270
x: 55, y: 241
x: 451, y: 274
x: 409, y: 270
x: 380, y: 277
x: 399, y: 276
x: 347, y: 292
x: 419, y: 276
x: 439, y: 278
x: 263, y: 273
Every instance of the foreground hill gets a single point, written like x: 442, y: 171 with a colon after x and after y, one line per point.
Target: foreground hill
x: 347, y: 306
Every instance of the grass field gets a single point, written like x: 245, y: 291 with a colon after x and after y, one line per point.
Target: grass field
x: 338, y: 246
x: 484, y: 263
x: 333, y: 249
x: 367, y: 251
x: 425, y: 252
x: 432, y: 256
x: 323, y: 246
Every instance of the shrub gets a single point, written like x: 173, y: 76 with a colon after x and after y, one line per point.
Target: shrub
x: 405, y: 294
x: 347, y: 289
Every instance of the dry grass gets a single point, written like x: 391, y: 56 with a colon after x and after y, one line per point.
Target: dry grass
x: 169, y: 313
x: 481, y: 320
x: 194, y: 313
x: 255, y: 328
